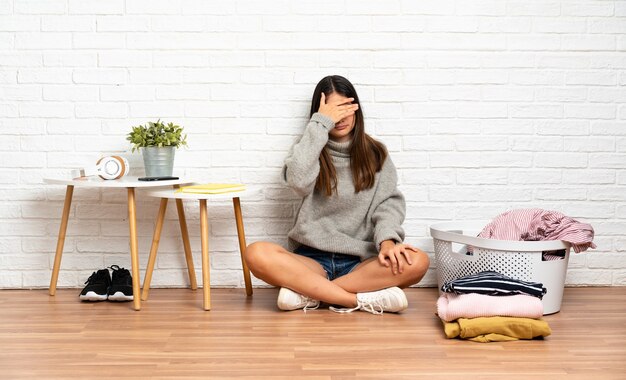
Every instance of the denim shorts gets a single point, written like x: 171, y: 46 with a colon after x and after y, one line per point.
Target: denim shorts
x: 335, y: 264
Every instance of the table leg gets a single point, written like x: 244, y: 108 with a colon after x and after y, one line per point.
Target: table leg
x: 185, y: 234
x: 61, y: 239
x: 156, y: 237
x: 241, y: 234
x: 134, y: 255
x: 206, y: 269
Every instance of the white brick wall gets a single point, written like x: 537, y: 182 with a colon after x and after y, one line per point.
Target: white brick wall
x: 484, y: 105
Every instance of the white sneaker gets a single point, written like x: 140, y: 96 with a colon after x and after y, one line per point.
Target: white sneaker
x: 290, y: 300
x: 391, y: 299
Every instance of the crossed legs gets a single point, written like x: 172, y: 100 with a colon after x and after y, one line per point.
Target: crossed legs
x: 275, y: 265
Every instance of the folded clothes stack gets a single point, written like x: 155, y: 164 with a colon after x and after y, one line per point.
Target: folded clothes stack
x: 491, y: 307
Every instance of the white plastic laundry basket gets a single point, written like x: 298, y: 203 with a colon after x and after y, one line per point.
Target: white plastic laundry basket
x: 518, y: 259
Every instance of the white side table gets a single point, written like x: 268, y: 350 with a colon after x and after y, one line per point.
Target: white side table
x: 204, y: 237
x: 130, y: 183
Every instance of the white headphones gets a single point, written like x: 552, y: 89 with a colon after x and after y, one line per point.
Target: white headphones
x: 109, y: 167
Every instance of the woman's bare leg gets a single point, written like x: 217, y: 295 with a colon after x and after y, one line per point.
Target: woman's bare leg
x: 275, y: 265
x: 370, y: 275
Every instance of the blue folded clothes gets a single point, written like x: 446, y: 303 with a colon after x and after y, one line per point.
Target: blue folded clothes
x: 493, y: 283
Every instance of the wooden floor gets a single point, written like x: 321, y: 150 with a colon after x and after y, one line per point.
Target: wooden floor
x: 172, y: 338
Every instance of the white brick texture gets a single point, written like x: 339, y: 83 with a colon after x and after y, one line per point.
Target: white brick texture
x: 484, y: 105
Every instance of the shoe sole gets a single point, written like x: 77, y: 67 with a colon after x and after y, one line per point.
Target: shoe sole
x: 93, y: 297
x: 120, y: 297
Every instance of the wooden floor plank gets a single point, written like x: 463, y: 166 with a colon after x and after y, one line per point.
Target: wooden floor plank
x: 172, y: 338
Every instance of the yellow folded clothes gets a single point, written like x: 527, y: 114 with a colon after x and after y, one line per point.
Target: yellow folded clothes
x: 212, y: 188
x: 488, y: 338
x: 496, y: 329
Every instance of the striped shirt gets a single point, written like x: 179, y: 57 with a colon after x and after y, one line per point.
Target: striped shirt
x: 493, y: 283
x: 537, y: 224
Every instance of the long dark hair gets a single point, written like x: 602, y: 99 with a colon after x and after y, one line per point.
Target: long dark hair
x: 367, y: 155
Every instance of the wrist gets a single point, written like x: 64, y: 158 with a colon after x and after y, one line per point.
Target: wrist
x: 387, y: 244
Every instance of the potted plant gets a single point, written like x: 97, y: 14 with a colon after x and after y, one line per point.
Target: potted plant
x: 158, y: 142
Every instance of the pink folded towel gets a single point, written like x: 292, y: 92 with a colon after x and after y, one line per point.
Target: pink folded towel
x: 453, y: 306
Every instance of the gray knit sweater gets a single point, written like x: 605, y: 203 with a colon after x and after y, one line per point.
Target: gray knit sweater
x: 346, y: 222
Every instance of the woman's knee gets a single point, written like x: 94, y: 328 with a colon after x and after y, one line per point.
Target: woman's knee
x: 419, y: 266
x: 256, y: 255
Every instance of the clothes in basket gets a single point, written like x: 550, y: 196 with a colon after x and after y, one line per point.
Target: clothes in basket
x: 538, y: 224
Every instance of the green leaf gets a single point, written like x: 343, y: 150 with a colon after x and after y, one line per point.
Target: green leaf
x: 156, y: 134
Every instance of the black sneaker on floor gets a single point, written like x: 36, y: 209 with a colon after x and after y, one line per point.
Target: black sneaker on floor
x: 97, y: 286
x: 121, y: 288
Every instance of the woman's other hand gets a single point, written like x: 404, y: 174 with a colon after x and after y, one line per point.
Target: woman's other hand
x: 395, y: 255
x: 337, y: 109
